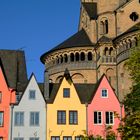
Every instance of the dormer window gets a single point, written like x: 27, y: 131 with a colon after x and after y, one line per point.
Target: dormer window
x: 66, y: 93
x: 32, y: 95
x: 104, y: 93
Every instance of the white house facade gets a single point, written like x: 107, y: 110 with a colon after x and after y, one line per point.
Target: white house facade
x: 29, y: 115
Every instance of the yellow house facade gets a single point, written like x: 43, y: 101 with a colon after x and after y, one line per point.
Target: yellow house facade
x: 66, y: 113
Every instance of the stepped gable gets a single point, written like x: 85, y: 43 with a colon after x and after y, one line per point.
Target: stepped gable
x: 79, y: 39
x: 14, y: 67
x: 91, y: 9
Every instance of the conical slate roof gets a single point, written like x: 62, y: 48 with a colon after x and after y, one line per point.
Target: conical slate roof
x: 79, y: 39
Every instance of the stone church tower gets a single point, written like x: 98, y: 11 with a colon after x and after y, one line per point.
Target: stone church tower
x: 108, y: 30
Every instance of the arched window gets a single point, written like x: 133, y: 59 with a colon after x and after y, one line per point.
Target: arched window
x: 106, y: 26
x: 89, y: 56
x: 101, y: 27
x: 61, y: 58
x: 136, y: 41
x: 106, y: 51
x: 130, y: 43
x: 77, y: 56
x: 111, y: 51
x: 57, y: 60
x: 65, y: 58
x: 82, y: 56
x: 72, y: 57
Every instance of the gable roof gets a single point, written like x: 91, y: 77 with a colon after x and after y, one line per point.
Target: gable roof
x: 84, y: 97
x: 14, y: 67
x: 40, y: 88
x: 91, y: 9
x: 79, y: 39
x: 98, y: 84
x: 53, y: 92
x: 85, y: 92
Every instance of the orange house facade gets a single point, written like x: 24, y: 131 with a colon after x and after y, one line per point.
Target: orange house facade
x: 7, y: 98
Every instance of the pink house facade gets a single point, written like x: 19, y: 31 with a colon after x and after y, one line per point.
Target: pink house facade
x: 104, y: 110
x: 7, y: 97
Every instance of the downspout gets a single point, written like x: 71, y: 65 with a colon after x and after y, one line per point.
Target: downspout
x: 86, y: 104
x: 95, y: 49
x: 46, y: 119
x: 11, y: 125
x: 117, y: 78
x: 96, y: 67
x: 121, y: 105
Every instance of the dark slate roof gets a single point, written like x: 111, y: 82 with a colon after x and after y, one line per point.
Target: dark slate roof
x: 91, y: 8
x: 14, y: 67
x: 104, y: 39
x: 41, y: 86
x: 132, y: 29
x: 85, y: 92
x: 79, y: 39
x: 53, y: 91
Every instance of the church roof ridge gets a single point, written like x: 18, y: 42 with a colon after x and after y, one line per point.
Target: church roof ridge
x: 79, y: 39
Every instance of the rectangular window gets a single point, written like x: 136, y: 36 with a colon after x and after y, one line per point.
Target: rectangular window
x: 61, y: 117
x: 34, y: 118
x: 32, y: 94
x: 18, y: 138
x: 55, y: 138
x: 66, y: 92
x: 73, y: 117
x: 109, y: 118
x: 67, y: 138
x: 19, y: 118
x: 1, y: 119
x: 0, y: 97
x: 78, y: 138
x: 32, y: 138
x: 104, y: 93
x: 97, y: 117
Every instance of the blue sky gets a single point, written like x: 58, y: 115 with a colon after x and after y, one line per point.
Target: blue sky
x: 36, y: 26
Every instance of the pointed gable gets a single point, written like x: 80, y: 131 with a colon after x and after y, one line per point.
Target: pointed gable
x: 58, y: 89
x: 31, y: 86
x: 103, y: 84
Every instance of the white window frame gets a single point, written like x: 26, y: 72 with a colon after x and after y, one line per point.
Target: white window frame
x: 102, y: 94
x: 97, y: 118
x: 109, y: 117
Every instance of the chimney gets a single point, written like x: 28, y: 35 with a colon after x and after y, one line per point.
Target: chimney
x: 46, y: 84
